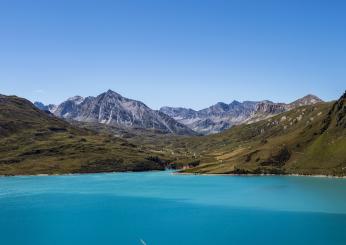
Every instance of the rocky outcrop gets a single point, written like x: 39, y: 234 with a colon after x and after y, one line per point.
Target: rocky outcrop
x: 268, y: 107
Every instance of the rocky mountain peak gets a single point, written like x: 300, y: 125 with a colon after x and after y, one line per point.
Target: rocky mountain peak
x: 220, y: 107
x: 309, y: 99
x: 39, y: 105
x: 110, y: 92
x: 111, y: 108
x: 51, y: 108
x: 76, y: 99
x: 235, y: 102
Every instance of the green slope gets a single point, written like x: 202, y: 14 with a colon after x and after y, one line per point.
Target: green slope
x: 306, y: 140
x: 33, y: 142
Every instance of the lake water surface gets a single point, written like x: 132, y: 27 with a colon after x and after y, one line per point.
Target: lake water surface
x: 159, y: 208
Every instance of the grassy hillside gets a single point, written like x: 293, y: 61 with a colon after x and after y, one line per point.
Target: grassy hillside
x: 306, y: 140
x: 34, y: 142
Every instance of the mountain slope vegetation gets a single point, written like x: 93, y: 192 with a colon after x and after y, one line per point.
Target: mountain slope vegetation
x: 309, y: 139
x: 36, y: 142
x: 306, y: 140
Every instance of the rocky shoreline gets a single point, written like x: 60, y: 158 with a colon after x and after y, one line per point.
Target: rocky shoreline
x: 253, y: 175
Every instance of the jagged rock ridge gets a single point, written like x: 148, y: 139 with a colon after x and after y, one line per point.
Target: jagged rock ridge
x: 222, y: 116
x: 113, y: 109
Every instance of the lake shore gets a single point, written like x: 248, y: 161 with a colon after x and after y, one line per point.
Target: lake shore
x: 293, y: 175
x: 179, y: 173
x: 75, y: 174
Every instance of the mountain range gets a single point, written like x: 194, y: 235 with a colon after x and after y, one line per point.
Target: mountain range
x: 303, y: 137
x: 110, y: 108
x: 222, y: 116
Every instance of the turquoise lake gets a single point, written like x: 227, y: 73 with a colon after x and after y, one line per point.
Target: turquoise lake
x: 160, y: 208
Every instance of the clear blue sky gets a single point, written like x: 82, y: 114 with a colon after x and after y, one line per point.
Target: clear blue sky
x: 178, y: 53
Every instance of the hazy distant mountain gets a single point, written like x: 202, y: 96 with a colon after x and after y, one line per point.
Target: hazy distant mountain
x: 222, y: 116
x: 51, y: 108
x: 214, y: 119
x: 113, y: 109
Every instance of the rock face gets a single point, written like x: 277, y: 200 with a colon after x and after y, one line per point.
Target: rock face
x: 222, y: 116
x: 113, y: 109
x: 269, y: 107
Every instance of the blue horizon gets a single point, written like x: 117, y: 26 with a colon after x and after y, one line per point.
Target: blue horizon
x: 183, y: 53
